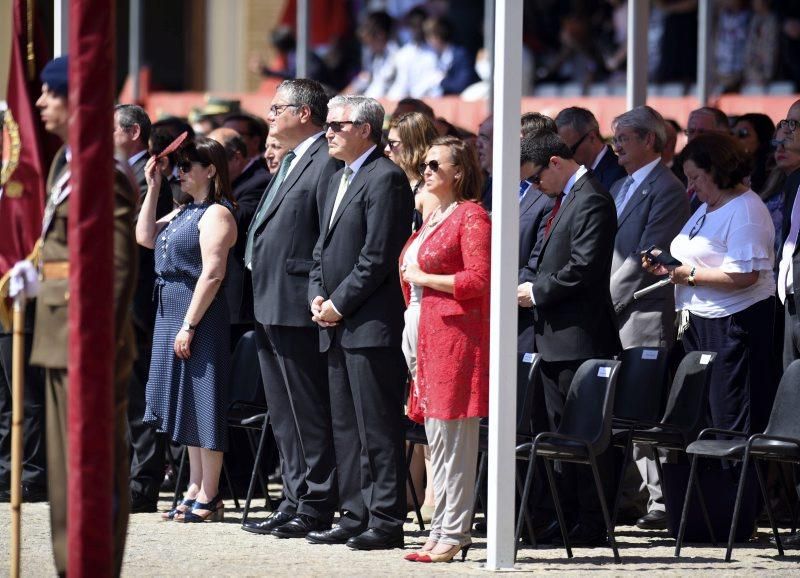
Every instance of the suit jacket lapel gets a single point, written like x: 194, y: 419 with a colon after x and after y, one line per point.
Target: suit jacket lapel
x: 358, y: 183
x: 529, y: 199
x: 639, y: 194
x: 291, y: 178
x: 565, y: 204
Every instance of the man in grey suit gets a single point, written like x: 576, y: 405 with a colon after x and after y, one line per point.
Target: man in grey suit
x: 652, y: 207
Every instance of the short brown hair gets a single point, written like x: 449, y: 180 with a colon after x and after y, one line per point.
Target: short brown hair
x: 416, y: 132
x: 721, y: 156
x: 470, y: 186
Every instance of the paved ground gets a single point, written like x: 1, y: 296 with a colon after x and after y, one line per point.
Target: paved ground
x: 157, y: 548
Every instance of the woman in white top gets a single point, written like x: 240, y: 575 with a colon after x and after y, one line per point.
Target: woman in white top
x: 725, y: 284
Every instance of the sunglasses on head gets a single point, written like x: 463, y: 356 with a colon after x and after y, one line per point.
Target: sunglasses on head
x: 185, y: 166
x: 432, y: 165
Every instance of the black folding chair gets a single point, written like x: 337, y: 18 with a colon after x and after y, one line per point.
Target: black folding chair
x: 684, y: 416
x: 583, y: 434
x: 780, y: 442
x: 638, y: 398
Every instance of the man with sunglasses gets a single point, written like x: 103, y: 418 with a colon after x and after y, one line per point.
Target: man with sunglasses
x: 652, y: 207
x: 355, y: 297
x: 579, y: 130
x: 574, y: 318
x: 278, y: 253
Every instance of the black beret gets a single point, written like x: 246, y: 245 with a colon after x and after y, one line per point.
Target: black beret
x: 55, y: 75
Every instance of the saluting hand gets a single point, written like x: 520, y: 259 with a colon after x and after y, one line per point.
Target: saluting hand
x: 152, y: 174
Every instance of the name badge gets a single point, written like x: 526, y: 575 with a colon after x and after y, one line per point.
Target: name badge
x: 650, y: 354
x: 604, y: 372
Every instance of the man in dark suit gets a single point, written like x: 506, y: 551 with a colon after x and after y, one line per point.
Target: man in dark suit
x: 355, y: 297
x: 573, y: 316
x: 579, y: 130
x: 278, y: 252
x: 249, y: 179
x: 131, y: 138
x: 253, y: 132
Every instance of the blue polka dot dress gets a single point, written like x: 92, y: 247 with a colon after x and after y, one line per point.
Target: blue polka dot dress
x: 187, y: 399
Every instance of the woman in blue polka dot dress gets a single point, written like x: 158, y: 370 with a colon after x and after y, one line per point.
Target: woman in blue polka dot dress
x: 186, y: 391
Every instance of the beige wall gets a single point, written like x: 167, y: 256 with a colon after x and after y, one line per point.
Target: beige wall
x: 5, y: 45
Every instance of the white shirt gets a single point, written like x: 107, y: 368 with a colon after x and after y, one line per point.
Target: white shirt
x: 582, y: 170
x: 786, y: 269
x: 414, y: 65
x: 300, y: 150
x: 132, y: 160
x: 736, y: 238
x: 638, y: 176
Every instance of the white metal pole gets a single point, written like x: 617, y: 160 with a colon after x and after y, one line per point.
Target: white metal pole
x: 134, y: 47
x: 60, y: 27
x: 488, y: 43
x: 703, y: 51
x: 505, y: 251
x: 638, y: 15
x: 302, y: 38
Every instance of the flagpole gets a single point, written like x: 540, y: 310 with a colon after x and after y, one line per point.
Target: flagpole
x: 17, y: 392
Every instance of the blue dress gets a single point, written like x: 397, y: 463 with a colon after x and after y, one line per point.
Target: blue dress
x: 187, y: 399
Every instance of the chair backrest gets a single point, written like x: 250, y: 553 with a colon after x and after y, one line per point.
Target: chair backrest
x: 786, y: 407
x: 590, y: 400
x: 525, y: 394
x: 641, y: 382
x: 687, y: 404
x: 245, y: 380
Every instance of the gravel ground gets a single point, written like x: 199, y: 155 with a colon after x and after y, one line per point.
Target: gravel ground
x: 157, y: 548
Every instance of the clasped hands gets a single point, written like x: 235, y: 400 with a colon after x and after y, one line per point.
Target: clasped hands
x: 323, y: 312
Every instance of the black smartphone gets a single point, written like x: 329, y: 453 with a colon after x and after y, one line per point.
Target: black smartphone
x: 662, y: 258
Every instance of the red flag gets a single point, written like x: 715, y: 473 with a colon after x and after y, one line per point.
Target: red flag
x: 27, y: 152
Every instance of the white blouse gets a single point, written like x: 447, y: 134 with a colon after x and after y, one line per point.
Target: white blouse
x: 736, y: 238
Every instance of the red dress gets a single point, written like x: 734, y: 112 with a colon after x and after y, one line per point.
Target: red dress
x: 453, y: 343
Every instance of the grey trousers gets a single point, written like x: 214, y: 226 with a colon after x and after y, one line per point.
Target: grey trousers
x: 454, y: 457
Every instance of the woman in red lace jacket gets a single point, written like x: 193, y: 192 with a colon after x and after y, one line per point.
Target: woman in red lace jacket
x: 445, y: 270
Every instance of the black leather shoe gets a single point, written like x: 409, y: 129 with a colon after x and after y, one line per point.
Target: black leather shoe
x: 336, y: 535
x: 377, y: 539
x: 655, y: 520
x: 30, y: 494
x: 300, y: 526
x: 547, y: 532
x: 788, y: 541
x: 584, y: 535
x: 267, y: 526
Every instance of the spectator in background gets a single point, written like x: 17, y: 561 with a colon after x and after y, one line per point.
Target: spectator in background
x: 414, y: 61
x: 378, y: 69
x: 732, y: 26
x: 253, y: 131
x: 678, y: 41
x: 761, y: 48
x: 673, y: 130
x: 484, y: 145
x: 285, y: 66
x: 579, y: 130
x: 456, y: 68
x: 273, y: 155
x: 706, y: 119
x: 412, y: 105
x: 788, y: 12
x: 754, y: 132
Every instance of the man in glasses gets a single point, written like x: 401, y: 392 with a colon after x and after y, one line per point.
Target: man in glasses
x: 579, y: 130
x: 278, y: 251
x: 355, y: 298
x: 652, y: 207
x: 574, y: 318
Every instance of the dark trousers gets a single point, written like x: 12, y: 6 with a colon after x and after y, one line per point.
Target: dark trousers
x: 146, y: 444
x: 576, y: 486
x: 791, y: 332
x: 366, y: 387
x: 33, y: 446
x: 294, y: 373
x: 741, y: 390
x: 56, y: 396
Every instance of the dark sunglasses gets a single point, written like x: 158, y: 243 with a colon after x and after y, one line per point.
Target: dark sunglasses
x: 536, y: 178
x: 186, y: 166
x: 574, y: 147
x: 697, y: 226
x: 337, y: 125
x: 432, y: 165
x: 393, y: 144
x: 741, y: 133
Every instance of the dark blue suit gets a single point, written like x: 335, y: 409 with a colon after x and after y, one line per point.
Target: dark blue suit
x: 608, y: 170
x: 461, y: 72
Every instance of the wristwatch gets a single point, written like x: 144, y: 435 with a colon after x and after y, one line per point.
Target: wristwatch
x: 690, y: 278
x: 188, y: 326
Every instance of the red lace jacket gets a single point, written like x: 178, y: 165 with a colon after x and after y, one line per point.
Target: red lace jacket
x: 453, y: 344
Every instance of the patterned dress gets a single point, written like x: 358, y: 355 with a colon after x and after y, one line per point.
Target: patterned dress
x: 187, y: 399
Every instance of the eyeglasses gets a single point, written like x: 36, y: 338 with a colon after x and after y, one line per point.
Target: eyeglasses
x: 697, y: 226
x: 432, y: 165
x: 622, y: 140
x: 277, y: 109
x: 574, y: 147
x: 690, y: 132
x: 338, y: 125
x: 536, y: 178
x: 789, y: 124
x: 742, y: 133
x: 393, y: 144
x: 186, y: 166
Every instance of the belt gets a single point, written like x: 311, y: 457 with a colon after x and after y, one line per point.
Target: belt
x: 55, y: 270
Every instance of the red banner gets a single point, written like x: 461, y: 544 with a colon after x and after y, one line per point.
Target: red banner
x: 27, y: 152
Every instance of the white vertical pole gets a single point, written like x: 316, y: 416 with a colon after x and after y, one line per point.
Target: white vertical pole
x: 135, y: 47
x: 703, y: 51
x: 505, y: 251
x: 60, y: 27
x: 638, y: 15
x: 488, y: 43
x: 302, y: 38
